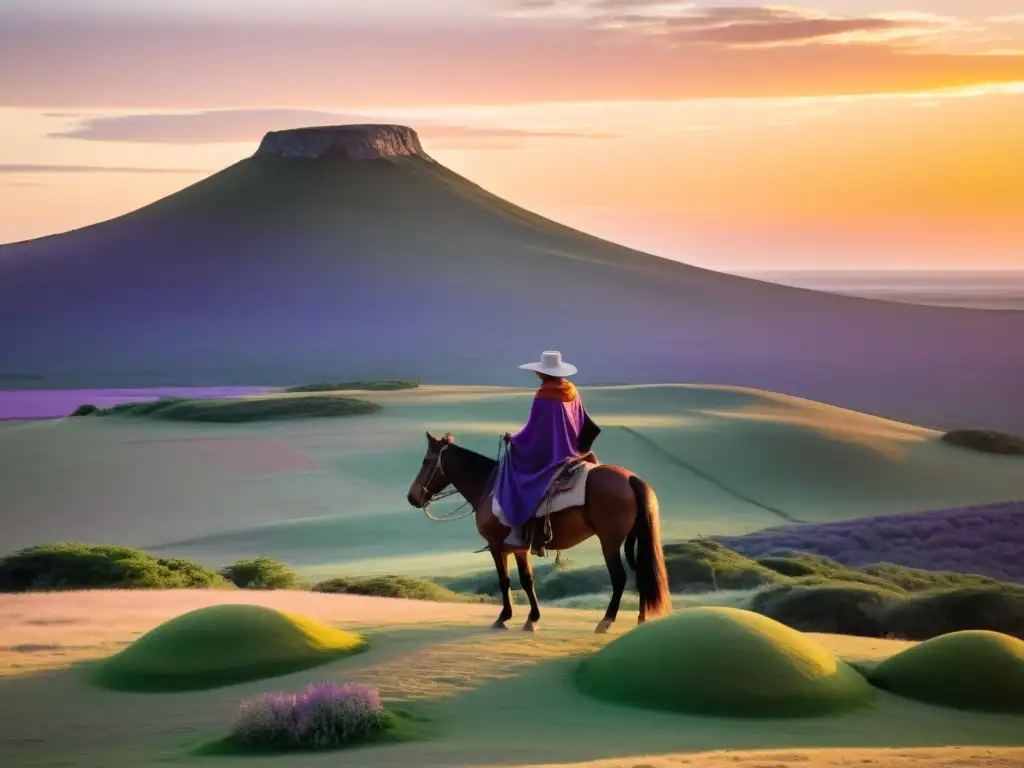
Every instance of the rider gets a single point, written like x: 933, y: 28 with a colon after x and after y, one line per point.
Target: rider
x: 559, y: 429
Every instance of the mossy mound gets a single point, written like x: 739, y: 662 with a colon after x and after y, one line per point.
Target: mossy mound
x: 722, y: 661
x: 221, y: 645
x: 973, y: 669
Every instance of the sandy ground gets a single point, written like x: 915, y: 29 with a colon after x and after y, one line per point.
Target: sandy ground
x: 493, y: 698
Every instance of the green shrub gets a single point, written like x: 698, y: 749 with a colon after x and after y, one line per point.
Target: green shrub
x: 930, y: 614
x: 986, y: 440
x: 396, y: 586
x: 868, y: 611
x: 86, y: 409
x: 71, y: 565
x: 844, y: 609
x: 239, y: 410
x: 261, y: 573
x: 366, y: 386
x: 787, y: 566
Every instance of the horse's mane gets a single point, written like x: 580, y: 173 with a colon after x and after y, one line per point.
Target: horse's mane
x: 475, y: 462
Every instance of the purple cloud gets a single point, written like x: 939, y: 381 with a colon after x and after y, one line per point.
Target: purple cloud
x: 248, y: 125
x: 35, y: 168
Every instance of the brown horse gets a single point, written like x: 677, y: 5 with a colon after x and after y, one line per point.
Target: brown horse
x: 620, y: 508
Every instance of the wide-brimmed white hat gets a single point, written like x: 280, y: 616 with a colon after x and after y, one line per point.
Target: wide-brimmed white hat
x: 551, y: 364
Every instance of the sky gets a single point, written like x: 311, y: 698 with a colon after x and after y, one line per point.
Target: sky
x: 831, y: 134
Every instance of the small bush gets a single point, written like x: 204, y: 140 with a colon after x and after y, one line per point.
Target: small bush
x: 366, y: 386
x: 787, y: 566
x: 867, y: 611
x: 261, y: 573
x: 986, y: 441
x: 844, y: 609
x: 71, y: 565
x: 227, y: 410
x: 324, y: 716
x: 930, y: 614
x: 86, y: 409
x: 396, y: 586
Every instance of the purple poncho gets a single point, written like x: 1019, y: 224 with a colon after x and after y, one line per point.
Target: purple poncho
x: 537, y: 451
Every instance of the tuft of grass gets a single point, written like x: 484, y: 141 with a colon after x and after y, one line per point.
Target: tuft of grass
x: 229, y: 410
x: 986, y: 441
x: 386, y: 385
x: 73, y: 565
x: 222, y: 645
x: 261, y: 573
x: 396, y: 586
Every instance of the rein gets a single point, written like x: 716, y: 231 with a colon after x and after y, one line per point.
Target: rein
x: 444, y: 494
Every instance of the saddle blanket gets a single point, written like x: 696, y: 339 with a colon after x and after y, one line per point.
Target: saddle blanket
x: 569, y: 489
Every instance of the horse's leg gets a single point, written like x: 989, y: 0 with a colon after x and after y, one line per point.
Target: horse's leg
x: 501, y: 564
x: 612, y: 559
x: 526, y: 581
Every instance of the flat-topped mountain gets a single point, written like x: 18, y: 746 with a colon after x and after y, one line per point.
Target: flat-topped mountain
x: 351, y: 142
x: 346, y: 252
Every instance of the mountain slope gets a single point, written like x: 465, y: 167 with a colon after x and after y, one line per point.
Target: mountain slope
x: 288, y: 269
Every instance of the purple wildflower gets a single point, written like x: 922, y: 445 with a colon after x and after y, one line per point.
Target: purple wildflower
x: 324, y: 715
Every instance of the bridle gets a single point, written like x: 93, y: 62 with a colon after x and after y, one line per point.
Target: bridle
x: 444, y: 494
x: 438, y: 468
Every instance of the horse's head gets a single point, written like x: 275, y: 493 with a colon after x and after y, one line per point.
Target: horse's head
x: 431, y: 479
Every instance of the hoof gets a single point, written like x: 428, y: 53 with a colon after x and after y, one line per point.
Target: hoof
x: 529, y: 627
x: 499, y: 626
x: 602, y: 628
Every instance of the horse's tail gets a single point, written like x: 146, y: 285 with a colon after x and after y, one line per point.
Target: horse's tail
x: 630, y: 549
x: 651, y: 576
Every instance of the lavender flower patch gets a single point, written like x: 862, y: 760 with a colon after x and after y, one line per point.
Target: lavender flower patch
x: 324, y: 716
x: 985, y: 540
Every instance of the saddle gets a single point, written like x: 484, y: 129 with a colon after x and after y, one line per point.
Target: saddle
x: 537, y: 531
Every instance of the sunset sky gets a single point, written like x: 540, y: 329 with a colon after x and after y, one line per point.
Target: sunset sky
x: 739, y: 136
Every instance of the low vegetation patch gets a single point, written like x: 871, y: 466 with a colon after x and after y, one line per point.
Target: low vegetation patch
x: 234, y: 410
x: 722, y: 661
x: 71, y: 565
x: 966, y: 670
x: 324, y: 716
x: 222, y: 645
x: 986, y: 540
x: 986, y: 441
x: 811, y: 593
x: 396, y: 586
x: 261, y: 573
x: 327, y: 715
x: 367, y: 386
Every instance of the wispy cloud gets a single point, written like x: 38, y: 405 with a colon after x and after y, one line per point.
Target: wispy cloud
x: 30, y: 168
x: 248, y: 125
x: 760, y: 25
x: 550, y: 52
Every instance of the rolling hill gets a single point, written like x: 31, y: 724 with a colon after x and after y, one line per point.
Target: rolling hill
x: 329, y: 495
x: 348, y: 252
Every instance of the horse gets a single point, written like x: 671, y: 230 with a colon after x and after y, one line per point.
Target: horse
x: 620, y: 508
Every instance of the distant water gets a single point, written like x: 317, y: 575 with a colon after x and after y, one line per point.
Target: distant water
x: 977, y: 290
x: 56, y: 403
